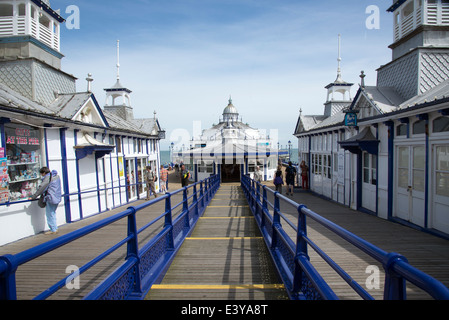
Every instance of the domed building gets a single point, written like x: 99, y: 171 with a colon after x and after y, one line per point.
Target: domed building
x: 232, y: 149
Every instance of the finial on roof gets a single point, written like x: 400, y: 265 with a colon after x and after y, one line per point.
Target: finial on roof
x: 230, y: 99
x: 89, y: 80
x: 300, y: 111
x: 339, y: 60
x: 118, y: 60
x: 362, y: 77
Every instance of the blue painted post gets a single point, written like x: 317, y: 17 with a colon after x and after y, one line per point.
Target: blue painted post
x: 185, y: 207
x: 209, y: 182
x: 257, y: 209
x: 264, y: 207
x: 169, y: 221
x: 206, y: 191
x: 133, y: 247
x: 195, y: 201
x: 301, y: 249
x: 201, y: 194
x: 7, y: 278
x: 251, y: 193
x: 276, y: 221
x: 395, y: 287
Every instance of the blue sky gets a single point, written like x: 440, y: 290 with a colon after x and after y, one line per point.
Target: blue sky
x: 184, y: 58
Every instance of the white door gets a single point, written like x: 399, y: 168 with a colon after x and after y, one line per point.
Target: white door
x: 410, y: 183
x: 131, y: 179
x: 369, y: 181
x: 440, y: 206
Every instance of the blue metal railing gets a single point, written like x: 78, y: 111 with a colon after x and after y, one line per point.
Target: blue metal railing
x: 301, y: 279
x: 142, y: 266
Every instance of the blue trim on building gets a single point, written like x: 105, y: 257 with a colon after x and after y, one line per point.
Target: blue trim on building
x: 41, y: 45
x: 396, y: 5
x: 425, y: 117
x: 48, y: 10
x: 65, y: 176
x: 390, y: 125
x: 78, y: 182
x: 2, y: 131
x: 100, y: 112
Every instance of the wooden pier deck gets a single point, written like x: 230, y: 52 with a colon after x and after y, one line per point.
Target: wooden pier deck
x: 235, y: 263
x: 225, y: 258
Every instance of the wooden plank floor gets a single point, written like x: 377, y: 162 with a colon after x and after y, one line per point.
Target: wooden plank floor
x: 424, y: 251
x: 225, y: 258
x: 229, y: 215
x: 37, y: 275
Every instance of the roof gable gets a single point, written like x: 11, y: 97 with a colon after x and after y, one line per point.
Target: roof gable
x: 82, y: 107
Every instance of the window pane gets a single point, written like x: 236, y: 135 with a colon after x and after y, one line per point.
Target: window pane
x: 403, y: 178
x: 20, y: 177
x: 442, y: 184
x: 374, y: 162
x: 418, y: 180
x: 403, y: 155
x: 401, y: 130
x: 366, y: 160
x: 366, y: 175
x: 419, y: 127
x: 441, y: 124
x: 419, y: 159
x: 443, y: 158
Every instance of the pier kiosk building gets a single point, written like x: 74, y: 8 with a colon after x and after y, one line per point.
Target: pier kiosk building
x: 232, y: 149
x: 99, y: 154
x: 387, y: 151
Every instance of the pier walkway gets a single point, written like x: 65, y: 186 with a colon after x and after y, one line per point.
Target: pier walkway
x: 225, y: 256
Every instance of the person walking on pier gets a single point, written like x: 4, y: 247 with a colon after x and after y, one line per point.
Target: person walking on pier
x: 290, y: 173
x: 185, y: 175
x: 50, y: 192
x: 304, y: 175
x: 164, y: 177
x: 278, y: 181
x: 258, y: 175
x: 150, y: 179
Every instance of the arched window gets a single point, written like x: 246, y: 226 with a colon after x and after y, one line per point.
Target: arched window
x: 441, y: 124
x: 22, y: 10
x: 401, y: 130
x: 6, y: 10
x: 419, y: 127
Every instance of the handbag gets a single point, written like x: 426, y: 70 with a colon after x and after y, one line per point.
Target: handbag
x: 278, y: 180
x: 41, y: 203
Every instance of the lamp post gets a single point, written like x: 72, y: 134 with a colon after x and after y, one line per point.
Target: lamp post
x: 171, y: 153
x: 289, y: 150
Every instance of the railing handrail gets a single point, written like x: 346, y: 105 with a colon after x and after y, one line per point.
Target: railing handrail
x: 397, y: 268
x: 10, y: 263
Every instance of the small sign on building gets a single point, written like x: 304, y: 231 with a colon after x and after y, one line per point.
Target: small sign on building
x: 351, y: 119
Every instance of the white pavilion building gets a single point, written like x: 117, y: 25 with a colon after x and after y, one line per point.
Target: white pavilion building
x: 232, y: 149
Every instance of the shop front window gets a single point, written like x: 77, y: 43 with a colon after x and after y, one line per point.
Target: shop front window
x: 23, y: 161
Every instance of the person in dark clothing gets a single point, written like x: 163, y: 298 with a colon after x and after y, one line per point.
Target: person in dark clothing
x: 290, y: 173
x: 185, y: 175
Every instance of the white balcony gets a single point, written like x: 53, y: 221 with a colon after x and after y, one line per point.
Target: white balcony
x: 30, y: 21
x: 420, y: 12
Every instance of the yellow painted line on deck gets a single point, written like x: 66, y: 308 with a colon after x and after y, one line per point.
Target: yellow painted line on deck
x: 249, y: 217
x: 227, y: 194
x: 228, y: 206
x: 216, y: 286
x: 223, y: 238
